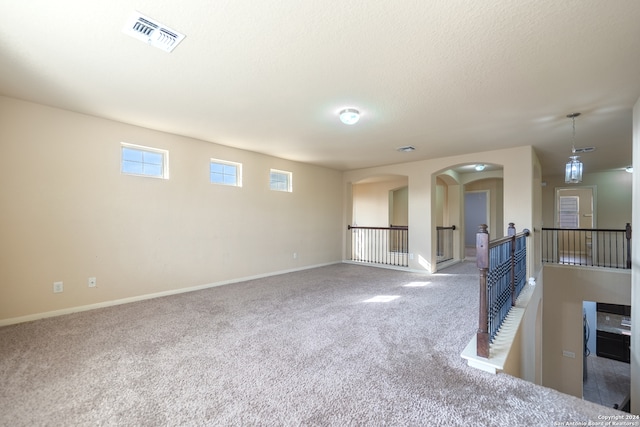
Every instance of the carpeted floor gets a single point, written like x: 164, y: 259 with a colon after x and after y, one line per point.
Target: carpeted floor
x: 305, y: 348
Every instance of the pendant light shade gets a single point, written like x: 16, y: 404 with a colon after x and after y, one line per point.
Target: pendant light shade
x: 573, y: 170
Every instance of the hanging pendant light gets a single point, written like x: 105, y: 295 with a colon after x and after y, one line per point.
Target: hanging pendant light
x: 573, y: 170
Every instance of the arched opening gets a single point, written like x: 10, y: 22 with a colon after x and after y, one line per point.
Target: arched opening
x: 464, y: 199
x: 379, y: 223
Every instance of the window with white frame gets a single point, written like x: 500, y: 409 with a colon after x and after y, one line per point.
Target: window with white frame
x: 144, y: 161
x: 225, y: 173
x: 569, y: 212
x: 280, y: 180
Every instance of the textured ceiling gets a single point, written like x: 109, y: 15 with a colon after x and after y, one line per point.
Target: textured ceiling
x: 447, y: 76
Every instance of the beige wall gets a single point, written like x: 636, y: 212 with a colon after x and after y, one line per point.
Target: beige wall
x: 525, y: 356
x: 565, y: 288
x: 399, y: 206
x: 519, y: 207
x: 69, y: 214
x: 441, y: 213
x: 371, y: 202
x: 448, y: 211
x: 612, y: 193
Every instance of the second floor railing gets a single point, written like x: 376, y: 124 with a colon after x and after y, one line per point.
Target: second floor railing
x: 610, y: 248
x: 503, y: 269
x: 444, y: 243
x: 380, y: 245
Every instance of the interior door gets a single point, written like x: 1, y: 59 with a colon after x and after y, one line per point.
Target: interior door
x: 476, y: 212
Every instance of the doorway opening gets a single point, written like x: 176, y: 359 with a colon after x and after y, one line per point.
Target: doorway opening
x: 606, y: 378
x: 476, y: 212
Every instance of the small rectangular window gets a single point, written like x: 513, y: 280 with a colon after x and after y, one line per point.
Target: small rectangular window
x: 226, y: 173
x: 569, y: 212
x: 144, y: 161
x: 280, y: 180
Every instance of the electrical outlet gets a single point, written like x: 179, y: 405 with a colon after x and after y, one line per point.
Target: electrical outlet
x: 57, y: 287
x: 295, y: 255
x: 91, y: 282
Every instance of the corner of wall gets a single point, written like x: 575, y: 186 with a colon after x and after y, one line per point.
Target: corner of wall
x: 635, y: 273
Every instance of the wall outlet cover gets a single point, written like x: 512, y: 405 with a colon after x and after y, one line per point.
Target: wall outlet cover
x: 58, y: 287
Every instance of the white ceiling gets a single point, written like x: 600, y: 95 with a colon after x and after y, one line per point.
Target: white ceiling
x: 446, y: 76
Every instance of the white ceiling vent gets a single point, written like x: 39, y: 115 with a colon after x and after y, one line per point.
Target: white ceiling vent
x: 406, y: 149
x: 584, y: 150
x: 151, y: 32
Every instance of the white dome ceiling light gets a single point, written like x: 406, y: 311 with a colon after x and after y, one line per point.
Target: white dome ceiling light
x: 349, y: 116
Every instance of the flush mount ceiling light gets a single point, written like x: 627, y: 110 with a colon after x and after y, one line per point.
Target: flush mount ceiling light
x: 349, y: 116
x: 480, y: 167
x: 573, y: 169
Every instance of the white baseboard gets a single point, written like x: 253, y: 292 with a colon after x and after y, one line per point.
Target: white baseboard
x: 77, y: 309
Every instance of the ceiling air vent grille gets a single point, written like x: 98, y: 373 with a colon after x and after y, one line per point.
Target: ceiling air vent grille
x: 585, y: 150
x: 406, y: 149
x: 151, y: 32
x: 144, y: 27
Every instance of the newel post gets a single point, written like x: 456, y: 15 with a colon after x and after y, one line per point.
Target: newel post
x: 628, y: 234
x: 511, y: 232
x: 482, y: 261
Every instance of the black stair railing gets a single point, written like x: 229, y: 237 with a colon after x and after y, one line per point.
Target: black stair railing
x: 593, y: 247
x: 380, y: 245
x: 503, y: 268
x: 444, y: 243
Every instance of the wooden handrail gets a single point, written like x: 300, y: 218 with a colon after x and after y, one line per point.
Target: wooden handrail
x: 391, y: 227
x: 610, y: 230
x: 439, y: 227
x: 628, y: 236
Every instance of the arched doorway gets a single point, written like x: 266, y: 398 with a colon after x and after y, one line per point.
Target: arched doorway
x: 379, y: 224
x: 456, y: 191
